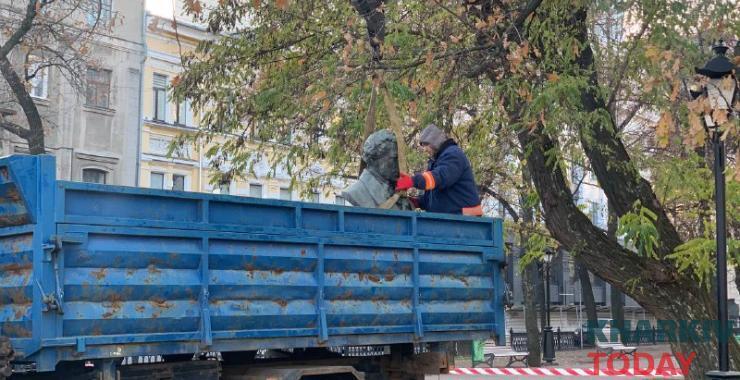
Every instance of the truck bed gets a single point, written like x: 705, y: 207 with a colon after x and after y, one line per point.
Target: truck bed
x: 93, y: 271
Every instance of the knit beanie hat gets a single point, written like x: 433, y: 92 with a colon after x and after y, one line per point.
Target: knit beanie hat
x: 433, y: 136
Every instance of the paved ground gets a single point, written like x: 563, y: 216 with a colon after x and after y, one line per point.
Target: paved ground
x: 568, y: 359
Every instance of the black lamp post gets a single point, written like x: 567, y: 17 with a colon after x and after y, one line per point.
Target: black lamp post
x: 721, y: 97
x: 548, y: 340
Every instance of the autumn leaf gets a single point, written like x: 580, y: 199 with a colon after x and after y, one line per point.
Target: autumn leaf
x: 695, y: 106
x: 326, y: 105
x: 431, y: 85
x: 719, y: 116
x: 319, y: 95
x: 430, y: 57
x: 552, y: 77
x: 663, y: 129
x: 480, y: 25
x: 652, y: 53
x: 195, y: 6
x: 256, y: 3
x: 282, y: 4
x: 676, y: 90
x: 695, y: 137
x: 176, y: 80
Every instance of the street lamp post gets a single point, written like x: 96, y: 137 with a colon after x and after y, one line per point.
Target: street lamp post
x: 548, y: 340
x: 721, y: 98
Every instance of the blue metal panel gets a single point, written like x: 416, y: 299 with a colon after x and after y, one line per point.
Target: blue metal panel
x: 141, y: 272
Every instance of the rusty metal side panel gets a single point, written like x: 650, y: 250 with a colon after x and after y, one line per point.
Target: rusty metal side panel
x: 16, y: 288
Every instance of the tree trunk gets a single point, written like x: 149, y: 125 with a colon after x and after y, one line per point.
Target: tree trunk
x: 530, y: 315
x: 587, y: 293
x: 35, y: 136
x: 617, y: 298
x: 668, y: 296
x: 530, y: 279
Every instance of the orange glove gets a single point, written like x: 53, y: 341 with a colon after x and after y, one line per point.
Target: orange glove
x: 404, y: 182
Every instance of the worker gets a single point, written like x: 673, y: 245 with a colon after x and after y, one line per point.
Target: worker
x: 448, y: 184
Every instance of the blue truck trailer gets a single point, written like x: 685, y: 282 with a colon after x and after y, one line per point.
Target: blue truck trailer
x: 94, y: 273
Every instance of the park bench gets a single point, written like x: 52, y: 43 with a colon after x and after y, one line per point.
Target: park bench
x: 491, y: 351
x: 609, y: 347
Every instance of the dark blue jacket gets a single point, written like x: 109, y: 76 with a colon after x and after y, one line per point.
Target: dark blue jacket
x: 448, y: 184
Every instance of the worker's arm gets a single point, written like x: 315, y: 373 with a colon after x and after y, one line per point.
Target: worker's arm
x: 446, y: 172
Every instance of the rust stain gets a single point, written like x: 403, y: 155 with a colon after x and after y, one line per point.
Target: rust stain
x: 18, y: 296
x: 160, y: 303
x: 97, y: 331
x: 19, y: 312
x: 389, y: 275
x: 16, y: 268
x: 16, y: 330
x: 303, y: 252
x: 373, y: 278
x: 140, y: 308
x: 153, y: 269
x: 282, y: 303
x: 12, y: 194
x: 346, y: 295
x: 155, y: 315
x: 99, y: 274
x: 462, y: 279
x: 4, y: 172
x: 278, y: 271
x: 361, y: 276
x: 130, y: 272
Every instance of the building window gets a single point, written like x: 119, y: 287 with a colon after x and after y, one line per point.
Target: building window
x: 178, y: 182
x: 98, y: 88
x: 99, y: 12
x: 156, y: 180
x: 286, y: 194
x: 94, y: 176
x: 184, y: 113
x: 160, y: 97
x: 315, y: 197
x: 255, y: 190
x: 39, y: 82
x: 339, y: 200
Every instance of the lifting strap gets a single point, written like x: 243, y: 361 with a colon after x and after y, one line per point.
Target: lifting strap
x: 370, y: 119
x: 396, y: 127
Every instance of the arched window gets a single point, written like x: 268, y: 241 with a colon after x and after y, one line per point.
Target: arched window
x: 94, y: 176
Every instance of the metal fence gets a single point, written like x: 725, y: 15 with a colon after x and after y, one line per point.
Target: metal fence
x: 564, y: 340
x: 571, y: 340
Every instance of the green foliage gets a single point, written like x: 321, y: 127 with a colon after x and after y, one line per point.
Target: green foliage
x: 638, y: 229
x: 534, y: 249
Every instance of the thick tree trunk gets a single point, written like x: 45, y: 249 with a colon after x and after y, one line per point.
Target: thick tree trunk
x: 675, y: 298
